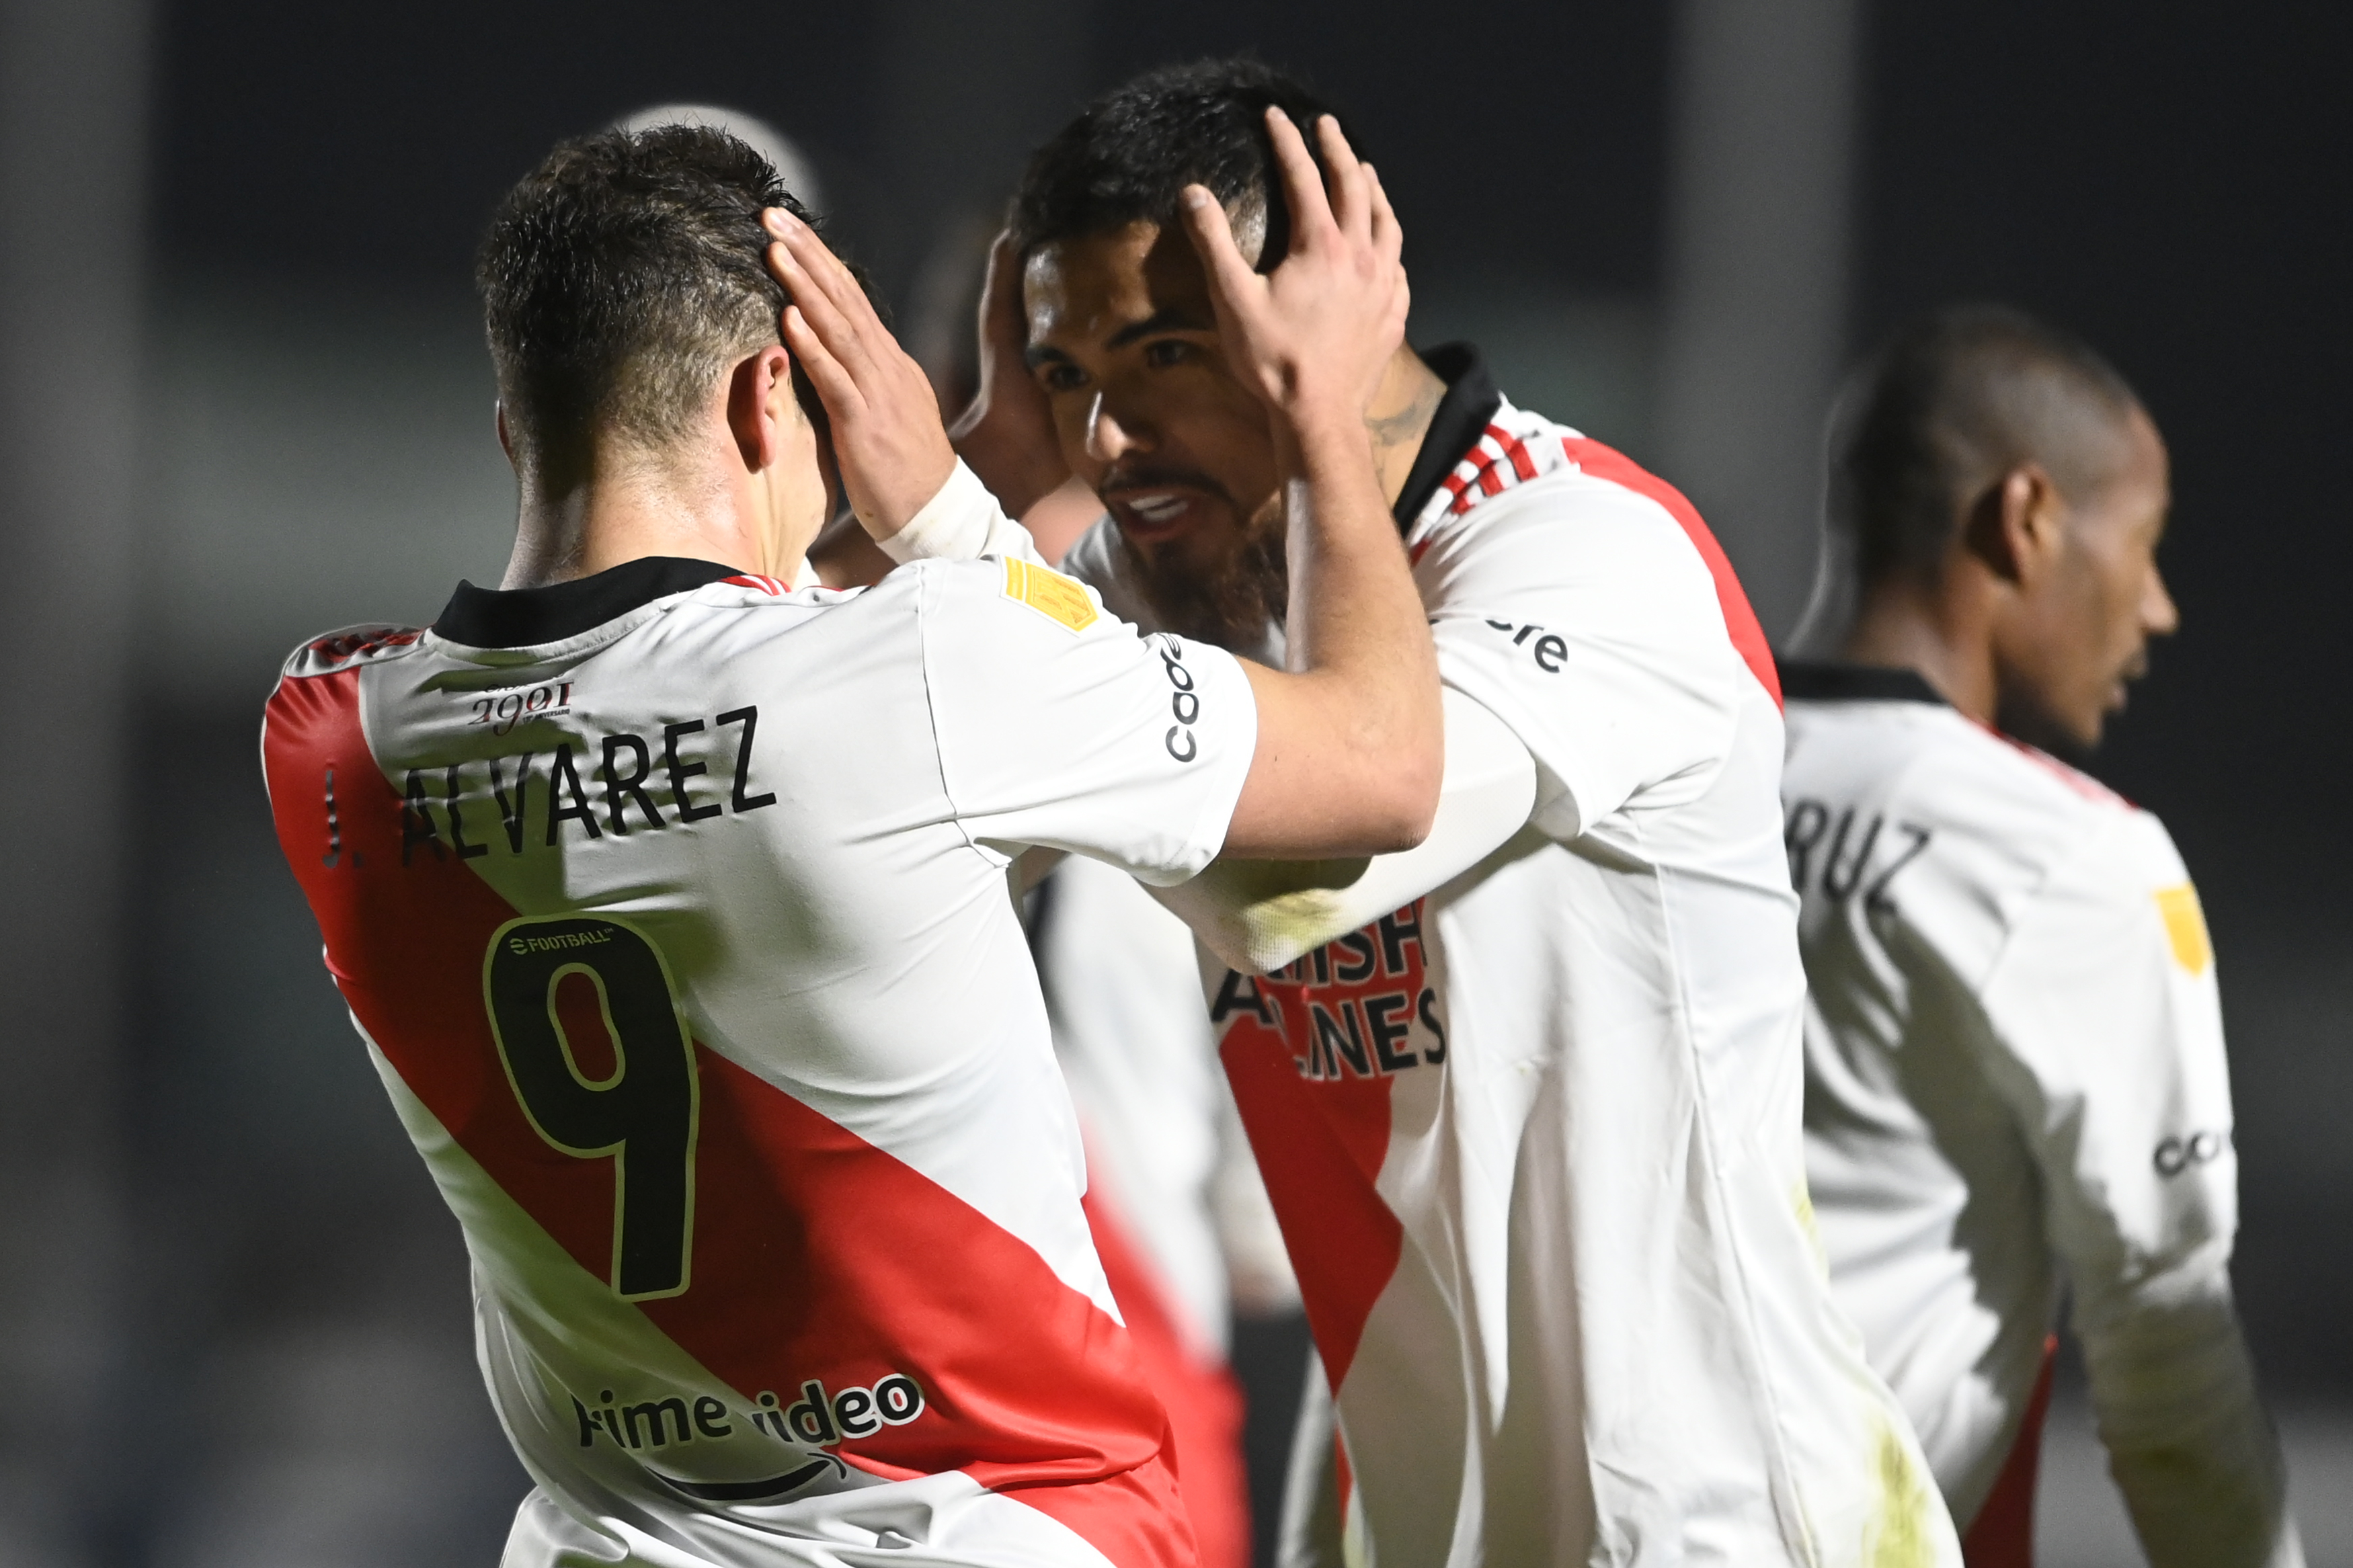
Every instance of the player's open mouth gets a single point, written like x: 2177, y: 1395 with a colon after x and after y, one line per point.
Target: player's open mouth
x: 1153, y: 514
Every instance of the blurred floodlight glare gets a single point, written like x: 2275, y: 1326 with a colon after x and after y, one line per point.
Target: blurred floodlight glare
x: 793, y: 165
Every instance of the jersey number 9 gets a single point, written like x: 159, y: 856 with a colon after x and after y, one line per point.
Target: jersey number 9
x: 641, y: 1115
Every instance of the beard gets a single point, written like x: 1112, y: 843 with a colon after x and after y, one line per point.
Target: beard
x: 2022, y: 718
x: 1234, y: 602
x: 2022, y: 715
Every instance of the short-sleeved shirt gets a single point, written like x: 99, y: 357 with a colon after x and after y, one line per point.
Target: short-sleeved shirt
x: 671, y: 905
x: 1533, y: 1140
x: 2015, y: 1070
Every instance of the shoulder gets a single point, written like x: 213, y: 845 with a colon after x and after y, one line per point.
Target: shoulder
x: 350, y: 647
x: 738, y: 614
x: 1968, y: 771
x: 772, y: 603
x: 312, y: 717
x: 1003, y: 596
x: 999, y: 623
x: 2007, y: 819
x: 1528, y: 473
x: 1944, y: 768
x: 1534, y: 506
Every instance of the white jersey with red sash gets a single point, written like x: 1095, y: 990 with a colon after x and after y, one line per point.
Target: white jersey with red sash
x: 672, y: 906
x: 2016, y: 1080
x: 1534, y: 1139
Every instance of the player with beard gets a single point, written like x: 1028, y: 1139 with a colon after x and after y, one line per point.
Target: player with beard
x: 1527, y: 1097
x: 2015, y: 1072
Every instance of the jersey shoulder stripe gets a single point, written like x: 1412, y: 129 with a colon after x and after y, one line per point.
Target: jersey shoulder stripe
x: 1518, y: 447
x: 2075, y: 779
x: 1940, y: 762
x: 349, y: 647
x: 1740, y: 621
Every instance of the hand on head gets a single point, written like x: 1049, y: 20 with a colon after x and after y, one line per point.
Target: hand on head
x: 1007, y: 433
x: 1313, y: 336
x: 894, y: 453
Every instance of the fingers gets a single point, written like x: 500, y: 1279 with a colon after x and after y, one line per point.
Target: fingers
x: 825, y: 269
x: 806, y: 289
x: 1302, y: 186
x: 817, y: 278
x: 1231, y: 279
x: 1387, y: 236
x: 835, y: 387
x: 1003, y: 322
x: 1351, y: 202
x: 831, y: 303
x: 837, y: 332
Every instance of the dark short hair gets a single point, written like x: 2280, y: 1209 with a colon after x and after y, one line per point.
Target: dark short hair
x: 1131, y: 153
x: 621, y: 278
x: 1952, y: 402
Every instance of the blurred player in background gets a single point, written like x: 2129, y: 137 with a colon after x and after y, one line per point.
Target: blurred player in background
x: 1173, y: 1198
x: 2015, y: 1075
x: 670, y: 899
x: 1527, y: 1101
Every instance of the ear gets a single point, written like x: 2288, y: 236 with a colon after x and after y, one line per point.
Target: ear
x: 761, y: 409
x: 2013, y: 529
x: 498, y: 418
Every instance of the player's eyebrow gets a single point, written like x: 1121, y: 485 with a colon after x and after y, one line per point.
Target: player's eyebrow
x: 1168, y: 319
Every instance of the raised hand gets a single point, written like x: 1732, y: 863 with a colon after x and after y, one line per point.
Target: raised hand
x: 1007, y: 434
x: 1313, y: 336
x: 1350, y: 741
x: 894, y: 453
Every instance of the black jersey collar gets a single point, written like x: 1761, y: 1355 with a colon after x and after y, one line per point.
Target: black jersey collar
x: 1463, y: 416
x: 1806, y: 682
x: 525, y: 617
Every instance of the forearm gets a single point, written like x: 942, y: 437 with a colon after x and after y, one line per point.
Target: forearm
x: 962, y: 522
x: 1258, y: 915
x: 1358, y: 712
x: 2187, y: 1439
x: 1353, y: 611
x: 1350, y: 747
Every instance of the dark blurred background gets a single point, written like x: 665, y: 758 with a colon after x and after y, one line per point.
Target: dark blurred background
x: 243, y: 399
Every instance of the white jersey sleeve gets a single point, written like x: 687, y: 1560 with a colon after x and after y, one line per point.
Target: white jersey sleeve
x: 1058, y: 725
x: 2109, y: 1045
x: 1604, y: 652
x: 1259, y: 915
x: 963, y: 521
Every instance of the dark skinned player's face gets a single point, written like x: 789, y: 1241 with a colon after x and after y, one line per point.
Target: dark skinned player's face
x: 1124, y: 341
x: 2083, y: 632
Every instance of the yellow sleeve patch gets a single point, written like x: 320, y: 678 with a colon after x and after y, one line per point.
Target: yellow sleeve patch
x: 2185, y: 927
x: 1058, y: 598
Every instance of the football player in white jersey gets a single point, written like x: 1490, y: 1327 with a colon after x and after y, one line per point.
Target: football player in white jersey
x: 670, y: 897
x: 1527, y: 1099
x: 2015, y: 1077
